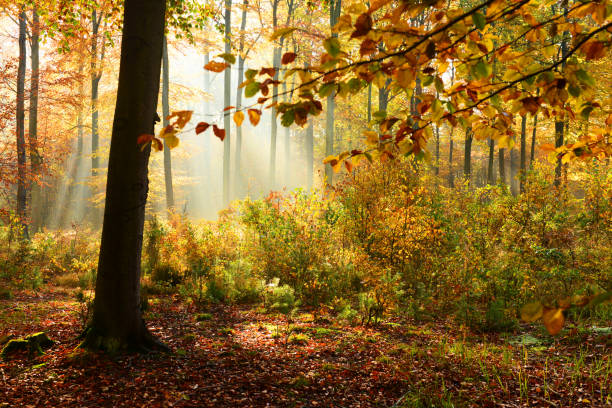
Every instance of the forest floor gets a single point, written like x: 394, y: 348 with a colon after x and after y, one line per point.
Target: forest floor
x: 232, y: 357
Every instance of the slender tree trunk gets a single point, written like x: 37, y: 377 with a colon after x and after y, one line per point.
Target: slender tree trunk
x: 117, y: 322
x: 451, y: 175
x: 502, y: 166
x: 287, y: 144
x: 95, y: 82
x: 309, y: 153
x: 238, y: 170
x: 20, y: 125
x: 533, y: 140
x: 273, y: 122
x: 166, y: 113
x: 369, y: 103
x: 513, y: 172
x: 437, y: 168
x: 226, y: 102
x: 560, y: 123
x: 467, y: 157
x: 334, y: 14
x: 490, y: 169
x: 523, y: 162
x: 35, y: 158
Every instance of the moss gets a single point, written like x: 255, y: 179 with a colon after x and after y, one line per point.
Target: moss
x: 34, y: 344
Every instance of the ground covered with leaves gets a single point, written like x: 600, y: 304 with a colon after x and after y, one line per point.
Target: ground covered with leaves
x: 240, y: 356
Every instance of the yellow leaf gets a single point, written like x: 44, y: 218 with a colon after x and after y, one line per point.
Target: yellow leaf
x: 238, y: 118
x: 532, y: 311
x: 254, y: 116
x: 329, y: 159
x: 171, y: 141
x: 553, y: 320
x: 371, y: 137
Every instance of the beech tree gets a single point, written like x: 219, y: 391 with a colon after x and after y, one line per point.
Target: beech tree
x: 117, y: 323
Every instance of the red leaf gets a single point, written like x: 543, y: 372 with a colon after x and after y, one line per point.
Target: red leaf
x: 144, y: 138
x: 288, y: 58
x: 363, y: 25
x: 220, y: 133
x: 201, y: 127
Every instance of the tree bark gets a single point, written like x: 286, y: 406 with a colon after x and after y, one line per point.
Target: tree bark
x: 533, y: 140
x: 20, y: 125
x: 502, y: 166
x: 166, y: 113
x: 227, y: 84
x: 117, y: 322
x: 523, y: 162
x: 334, y: 14
x: 467, y: 156
x: 310, y: 153
x: 451, y: 175
x: 238, y: 183
x: 35, y: 158
x: 513, y: 172
x: 490, y: 170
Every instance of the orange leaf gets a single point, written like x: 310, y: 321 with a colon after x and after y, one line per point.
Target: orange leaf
x: 220, y: 133
x: 157, y: 144
x: 216, y: 66
x: 288, y: 58
x: 144, y: 138
x: 201, y: 127
x: 254, y: 116
x: 238, y: 118
x: 553, y: 320
x: 363, y: 25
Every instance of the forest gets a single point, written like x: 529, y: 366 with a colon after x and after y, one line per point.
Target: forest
x: 306, y: 203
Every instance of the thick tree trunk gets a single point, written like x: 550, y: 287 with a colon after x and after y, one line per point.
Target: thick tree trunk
x: 117, y: 323
x: 166, y: 113
x: 227, y: 84
x: 20, y: 125
x: 523, y: 162
x: 467, y: 155
x: 238, y: 183
x: 35, y: 158
x: 310, y: 153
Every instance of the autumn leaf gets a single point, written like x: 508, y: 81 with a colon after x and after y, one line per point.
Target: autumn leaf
x: 288, y: 58
x: 553, y: 320
x: 157, y: 144
x: 216, y: 66
x: 531, y: 312
x: 182, y: 118
x: 254, y: 116
x: 144, y: 138
x: 282, y: 32
x: 220, y: 133
x: 171, y: 141
x: 238, y: 118
x: 363, y: 25
x: 201, y: 127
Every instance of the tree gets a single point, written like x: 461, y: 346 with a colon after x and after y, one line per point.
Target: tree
x: 35, y: 157
x: 241, y: 58
x: 335, y: 7
x: 20, y: 122
x: 166, y: 114
x: 117, y: 323
x: 227, y: 100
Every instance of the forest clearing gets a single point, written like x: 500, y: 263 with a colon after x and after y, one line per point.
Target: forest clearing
x: 292, y: 203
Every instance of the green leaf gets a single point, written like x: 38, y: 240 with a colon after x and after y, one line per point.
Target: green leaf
x: 583, y: 76
x: 287, y: 118
x: 574, y: 90
x: 481, y: 69
x: 251, y: 89
x: 586, y: 112
x: 332, y: 46
x: 479, y: 20
x: 250, y: 73
x: 326, y: 89
x: 229, y: 58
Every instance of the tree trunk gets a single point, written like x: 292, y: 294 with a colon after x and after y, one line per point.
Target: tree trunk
x: 287, y: 144
x: 166, y: 113
x: 35, y: 158
x: 227, y: 84
x: 502, y: 166
x: 309, y: 153
x: 95, y: 82
x: 490, y: 170
x: 369, y: 103
x: 117, y: 322
x: 334, y: 14
x: 533, y: 140
x: 513, y: 172
x: 20, y: 125
x: 437, y: 168
x: 560, y: 123
x: 238, y: 184
x: 467, y: 156
x: 451, y: 175
x: 523, y: 162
